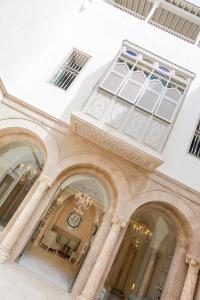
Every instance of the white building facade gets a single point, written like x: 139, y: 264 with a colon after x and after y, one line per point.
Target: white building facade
x: 100, y: 146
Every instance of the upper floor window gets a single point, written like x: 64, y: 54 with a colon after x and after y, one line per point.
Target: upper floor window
x: 140, y: 95
x: 195, y: 144
x: 146, y: 83
x: 68, y: 71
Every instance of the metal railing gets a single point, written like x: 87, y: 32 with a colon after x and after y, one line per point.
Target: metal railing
x: 66, y: 74
x: 195, y: 145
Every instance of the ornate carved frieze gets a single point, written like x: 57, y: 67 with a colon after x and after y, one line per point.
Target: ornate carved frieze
x: 106, y: 140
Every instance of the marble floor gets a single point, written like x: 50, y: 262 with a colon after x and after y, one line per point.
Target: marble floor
x: 19, y: 283
x: 48, y: 266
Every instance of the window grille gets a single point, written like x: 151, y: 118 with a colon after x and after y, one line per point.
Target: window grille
x: 195, y: 144
x: 69, y: 70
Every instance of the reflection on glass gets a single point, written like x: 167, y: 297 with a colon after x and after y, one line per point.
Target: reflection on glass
x: 20, y: 165
x: 142, y: 263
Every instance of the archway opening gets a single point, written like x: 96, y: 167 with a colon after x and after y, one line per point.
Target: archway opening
x: 65, y: 232
x: 143, y: 260
x: 21, y: 163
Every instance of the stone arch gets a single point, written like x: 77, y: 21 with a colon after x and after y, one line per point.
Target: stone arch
x: 184, y: 218
x: 91, y: 163
x: 23, y: 128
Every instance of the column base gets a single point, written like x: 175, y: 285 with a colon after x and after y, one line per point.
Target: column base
x: 82, y: 297
x: 4, y: 255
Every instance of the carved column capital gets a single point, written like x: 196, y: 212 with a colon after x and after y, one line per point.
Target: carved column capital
x: 46, y: 179
x: 118, y: 223
x: 193, y: 261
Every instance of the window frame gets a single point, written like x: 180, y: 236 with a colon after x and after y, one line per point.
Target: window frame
x: 50, y: 80
x: 191, y: 139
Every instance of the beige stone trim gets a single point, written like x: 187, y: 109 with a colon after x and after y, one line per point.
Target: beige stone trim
x: 94, y: 279
x: 191, y: 279
x: 15, y: 231
x: 130, y: 152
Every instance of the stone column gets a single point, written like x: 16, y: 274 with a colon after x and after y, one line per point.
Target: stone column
x: 99, y: 268
x: 21, y: 221
x: 176, y: 273
x: 148, y: 273
x: 47, y: 220
x: 92, y: 255
x: 191, y: 279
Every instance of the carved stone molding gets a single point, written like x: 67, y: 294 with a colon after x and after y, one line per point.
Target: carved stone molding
x: 118, y: 224
x: 148, y: 160
x: 193, y: 261
x: 46, y: 179
x: 182, y: 244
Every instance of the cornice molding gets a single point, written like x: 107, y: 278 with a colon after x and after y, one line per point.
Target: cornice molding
x: 2, y: 87
x: 33, y: 113
x: 176, y: 188
x: 116, y: 145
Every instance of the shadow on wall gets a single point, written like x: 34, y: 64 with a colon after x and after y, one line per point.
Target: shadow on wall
x: 84, y: 92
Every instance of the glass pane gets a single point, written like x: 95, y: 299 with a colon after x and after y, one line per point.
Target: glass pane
x: 143, y: 261
x: 20, y: 165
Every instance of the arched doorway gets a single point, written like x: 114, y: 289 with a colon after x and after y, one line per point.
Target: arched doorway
x: 64, y: 234
x: 143, y: 260
x: 21, y: 163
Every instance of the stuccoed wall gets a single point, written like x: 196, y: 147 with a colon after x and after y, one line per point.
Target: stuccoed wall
x: 37, y: 36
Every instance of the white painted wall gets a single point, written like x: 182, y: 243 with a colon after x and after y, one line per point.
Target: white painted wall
x: 37, y: 36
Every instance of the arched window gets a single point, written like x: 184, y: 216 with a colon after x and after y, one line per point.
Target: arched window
x: 20, y: 165
x: 143, y: 261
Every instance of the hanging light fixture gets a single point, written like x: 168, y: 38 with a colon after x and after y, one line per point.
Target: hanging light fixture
x: 82, y: 201
x: 27, y: 171
x: 140, y: 231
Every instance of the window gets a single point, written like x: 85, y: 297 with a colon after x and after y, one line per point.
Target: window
x: 21, y: 163
x: 147, y: 84
x: 195, y: 145
x: 70, y: 69
x: 140, y: 95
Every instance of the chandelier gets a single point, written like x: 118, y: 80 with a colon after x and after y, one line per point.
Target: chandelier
x: 82, y: 201
x: 76, y: 215
x: 140, y: 231
x: 27, y: 171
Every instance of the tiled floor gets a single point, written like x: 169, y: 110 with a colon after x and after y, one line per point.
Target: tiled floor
x: 19, y: 283
x: 49, y: 266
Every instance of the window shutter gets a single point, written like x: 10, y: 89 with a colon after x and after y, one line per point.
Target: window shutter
x: 173, y: 94
x: 148, y: 100
x: 167, y: 106
x: 132, y: 87
x: 166, y: 109
x: 115, y: 78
